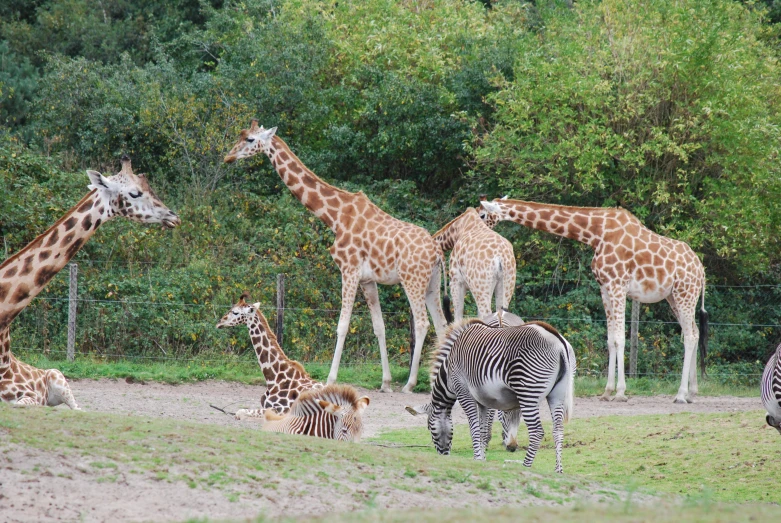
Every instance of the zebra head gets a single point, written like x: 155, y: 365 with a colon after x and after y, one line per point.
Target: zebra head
x: 774, y: 422
x: 440, y: 424
x: 349, y: 422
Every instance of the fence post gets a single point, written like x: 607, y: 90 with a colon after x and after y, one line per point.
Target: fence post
x: 635, y: 323
x: 72, y: 303
x: 280, y: 306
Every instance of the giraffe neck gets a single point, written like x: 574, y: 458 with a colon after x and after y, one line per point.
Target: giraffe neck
x: 584, y: 224
x: 271, y: 358
x: 448, y: 235
x: 26, y: 273
x: 316, y: 195
x: 5, y: 348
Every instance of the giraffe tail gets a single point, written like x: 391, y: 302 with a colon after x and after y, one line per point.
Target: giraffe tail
x: 446, y: 299
x: 703, y: 334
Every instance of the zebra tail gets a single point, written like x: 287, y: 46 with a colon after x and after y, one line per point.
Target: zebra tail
x: 569, y: 401
x: 703, y: 335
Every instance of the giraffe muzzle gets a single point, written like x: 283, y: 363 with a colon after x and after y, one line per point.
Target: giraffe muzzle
x: 230, y: 158
x: 172, y: 221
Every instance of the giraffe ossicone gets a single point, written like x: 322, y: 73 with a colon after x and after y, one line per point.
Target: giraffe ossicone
x: 629, y: 260
x: 286, y: 379
x: 25, y: 274
x: 370, y: 247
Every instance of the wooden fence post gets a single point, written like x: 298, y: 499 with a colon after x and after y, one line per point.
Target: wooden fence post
x: 635, y: 323
x: 73, y: 294
x: 280, y: 306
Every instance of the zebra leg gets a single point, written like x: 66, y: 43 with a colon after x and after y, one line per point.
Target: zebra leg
x: 531, y: 416
x: 557, y: 413
x: 510, y: 419
x: 475, y: 413
x: 486, y: 427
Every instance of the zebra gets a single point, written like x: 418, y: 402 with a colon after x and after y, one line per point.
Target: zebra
x: 510, y: 420
x: 771, y: 390
x: 505, y: 369
x: 333, y: 412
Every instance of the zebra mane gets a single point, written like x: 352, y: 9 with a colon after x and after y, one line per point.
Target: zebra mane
x: 446, y: 341
x: 342, y: 395
x: 547, y: 326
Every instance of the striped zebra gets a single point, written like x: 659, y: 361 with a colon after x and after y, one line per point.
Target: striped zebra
x: 333, y: 412
x: 771, y: 390
x: 486, y: 368
x: 510, y: 420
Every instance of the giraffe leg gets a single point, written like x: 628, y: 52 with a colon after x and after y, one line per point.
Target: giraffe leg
x: 457, y: 293
x: 690, y: 339
x: 249, y: 414
x: 418, y: 306
x: 373, y: 301
x: 349, y: 288
x: 619, y: 329
x: 433, y: 301
x: 27, y: 401
x: 59, y: 390
x: 611, y: 347
x: 508, y: 275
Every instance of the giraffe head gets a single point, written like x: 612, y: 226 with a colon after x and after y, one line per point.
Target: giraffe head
x: 128, y: 194
x: 489, y: 218
x: 242, y: 312
x: 251, y: 142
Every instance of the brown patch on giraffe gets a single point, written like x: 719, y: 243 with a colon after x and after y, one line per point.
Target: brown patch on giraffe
x: 10, y: 273
x: 86, y: 223
x: 86, y: 206
x: 263, y: 357
x: 70, y: 223
x: 4, y: 288
x: 44, y: 275
x: 328, y: 192
x: 313, y: 201
x: 21, y: 294
x: 309, y: 182
x: 27, y: 267
x: 44, y: 255
x: 283, y: 156
x: 74, y: 248
x: 294, y: 167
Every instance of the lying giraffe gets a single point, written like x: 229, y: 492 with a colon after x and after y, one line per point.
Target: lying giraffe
x: 629, y: 259
x: 333, y: 412
x: 482, y: 261
x: 26, y: 273
x: 370, y: 247
x: 286, y: 379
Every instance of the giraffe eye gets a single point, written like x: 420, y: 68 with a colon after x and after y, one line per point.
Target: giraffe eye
x: 250, y: 139
x: 235, y: 313
x: 136, y: 194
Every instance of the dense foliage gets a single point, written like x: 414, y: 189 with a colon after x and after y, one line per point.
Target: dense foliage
x: 669, y: 109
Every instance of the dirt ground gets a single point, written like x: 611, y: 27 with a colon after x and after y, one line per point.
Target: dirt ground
x: 41, y: 486
x: 386, y: 411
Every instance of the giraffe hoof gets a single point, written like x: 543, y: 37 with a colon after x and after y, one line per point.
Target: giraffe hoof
x: 619, y: 398
x: 386, y: 388
x: 407, y: 389
x: 689, y: 400
x: 680, y: 400
x: 604, y: 397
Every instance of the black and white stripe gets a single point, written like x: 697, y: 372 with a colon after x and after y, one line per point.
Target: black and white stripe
x: 332, y: 412
x: 505, y: 369
x: 771, y: 390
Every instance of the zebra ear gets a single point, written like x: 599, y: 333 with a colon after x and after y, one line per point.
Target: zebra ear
x: 420, y: 409
x: 331, y: 408
x: 361, y: 404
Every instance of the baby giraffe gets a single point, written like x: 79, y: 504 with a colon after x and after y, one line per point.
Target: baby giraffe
x: 286, y: 379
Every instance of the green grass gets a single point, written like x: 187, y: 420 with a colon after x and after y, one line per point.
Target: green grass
x: 237, y: 460
x: 368, y: 375
x: 732, y: 457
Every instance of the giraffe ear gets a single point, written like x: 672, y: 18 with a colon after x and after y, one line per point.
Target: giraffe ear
x: 268, y: 133
x: 98, y: 181
x: 490, y: 206
x: 256, y: 305
x: 505, y: 197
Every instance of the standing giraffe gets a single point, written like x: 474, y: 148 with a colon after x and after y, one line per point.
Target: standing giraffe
x: 629, y: 259
x: 482, y: 261
x: 26, y: 273
x: 370, y: 247
x: 286, y: 379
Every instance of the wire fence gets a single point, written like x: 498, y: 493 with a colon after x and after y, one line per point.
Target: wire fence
x: 134, y: 327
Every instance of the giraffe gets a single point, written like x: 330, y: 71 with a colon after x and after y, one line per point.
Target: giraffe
x: 24, y: 275
x: 370, y: 247
x: 482, y: 261
x: 286, y: 379
x: 629, y: 260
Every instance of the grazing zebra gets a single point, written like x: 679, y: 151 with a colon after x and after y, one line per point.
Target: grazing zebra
x: 510, y: 420
x: 486, y: 368
x: 771, y: 390
x: 333, y: 412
